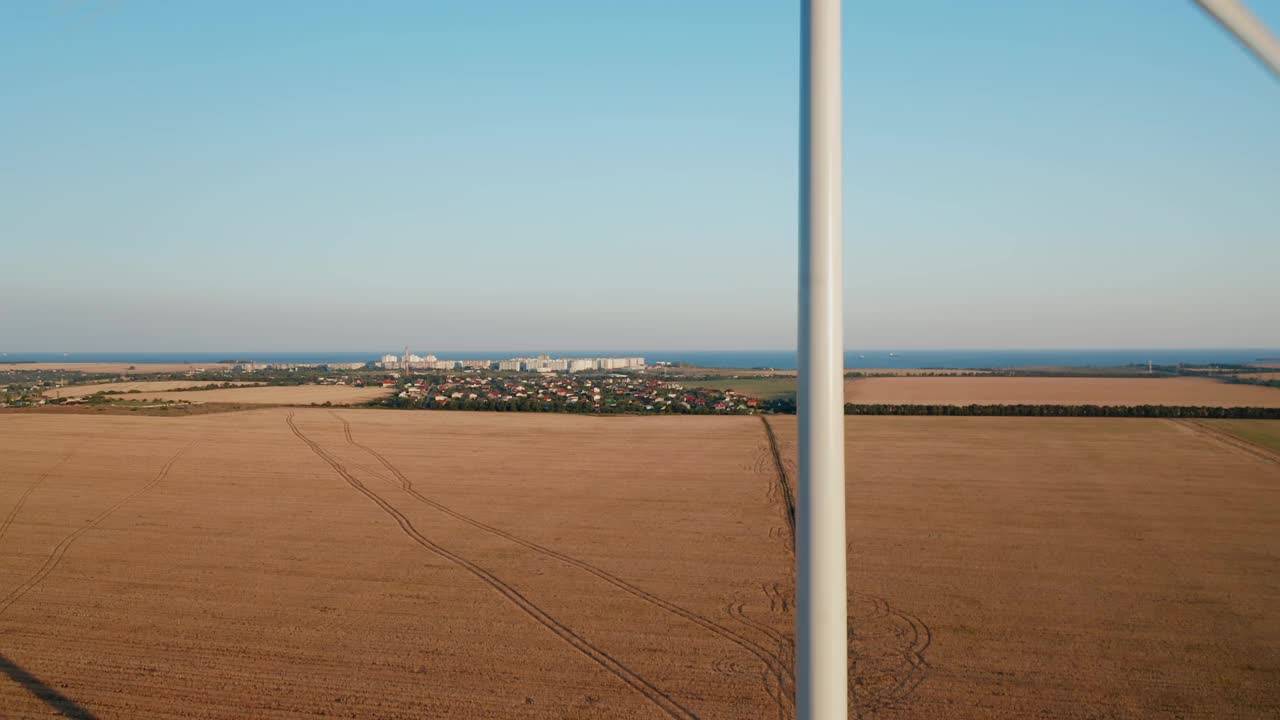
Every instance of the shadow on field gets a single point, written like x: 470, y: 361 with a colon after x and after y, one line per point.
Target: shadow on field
x: 60, y: 703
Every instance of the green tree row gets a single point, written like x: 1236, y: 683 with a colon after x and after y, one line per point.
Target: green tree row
x: 1141, y: 411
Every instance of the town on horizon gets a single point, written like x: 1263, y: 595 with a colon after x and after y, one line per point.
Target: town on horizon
x: 540, y: 364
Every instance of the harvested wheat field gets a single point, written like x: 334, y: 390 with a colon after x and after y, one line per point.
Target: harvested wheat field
x: 270, y: 395
x: 117, y: 368
x: 141, y: 386
x: 290, y: 563
x: 377, y: 564
x: 1057, y: 391
x: 1061, y: 568
x: 1273, y: 375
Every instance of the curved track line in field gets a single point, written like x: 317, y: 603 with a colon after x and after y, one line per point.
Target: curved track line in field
x: 775, y: 686
x: 17, y: 507
x: 646, y: 689
x: 895, y: 671
x: 737, y: 611
x: 60, y: 550
x: 781, y: 672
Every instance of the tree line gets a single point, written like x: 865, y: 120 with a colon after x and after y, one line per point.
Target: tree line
x: 1138, y: 411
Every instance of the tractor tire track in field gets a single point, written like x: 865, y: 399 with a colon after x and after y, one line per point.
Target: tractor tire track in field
x: 786, y: 647
x: 633, y: 680
x: 60, y: 550
x: 776, y: 668
x: 886, y: 644
x: 1226, y: 438
x: 777, y: 690
x: 22, y: 500
x: 886, y: 659
x: 784, y: 482
x: 779, y: 493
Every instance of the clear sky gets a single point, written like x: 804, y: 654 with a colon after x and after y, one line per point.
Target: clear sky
x: 596, y: 174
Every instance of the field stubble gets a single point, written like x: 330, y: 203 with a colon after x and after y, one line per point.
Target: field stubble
x: 117, y: 368
x: 1069, y: 567
x: 287, y: 563
x: 133, y: 389
x: 269, y: 395
x: 380, y: 564
x: 1057, y: 391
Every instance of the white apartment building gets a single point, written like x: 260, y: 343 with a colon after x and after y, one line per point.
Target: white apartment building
x: 541, y: 363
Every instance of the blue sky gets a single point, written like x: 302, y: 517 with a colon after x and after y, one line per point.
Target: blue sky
x: 590, y: 174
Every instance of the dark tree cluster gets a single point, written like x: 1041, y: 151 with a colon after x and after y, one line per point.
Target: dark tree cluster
x: 1137, y: 411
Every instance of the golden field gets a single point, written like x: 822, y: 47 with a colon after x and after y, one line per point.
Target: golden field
x: 141, y: 386
x: 117, y: 368
x: 269, y: 395
x: 292, y: 563
x: 267, y: 564
x: 1064, y: 567
x: 1057, y: 391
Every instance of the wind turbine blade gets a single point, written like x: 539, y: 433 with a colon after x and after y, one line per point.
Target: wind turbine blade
x: 1248, y: 29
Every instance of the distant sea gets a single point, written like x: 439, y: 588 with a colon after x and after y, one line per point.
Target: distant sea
x: 779, y: 359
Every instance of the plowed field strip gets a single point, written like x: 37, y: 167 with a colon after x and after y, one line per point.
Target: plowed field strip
x: 60, y: 550
x: 17, y: 507
x: 779, y: 670
x: 783, y: 481
x: 1227, y: 438
x: 642, y: 686
x: 779, y: 604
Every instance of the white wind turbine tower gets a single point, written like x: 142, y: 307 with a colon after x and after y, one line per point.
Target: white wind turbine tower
x: 822, y: 651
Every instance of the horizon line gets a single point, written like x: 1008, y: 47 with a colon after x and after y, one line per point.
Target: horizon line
x: 1096, y: 348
